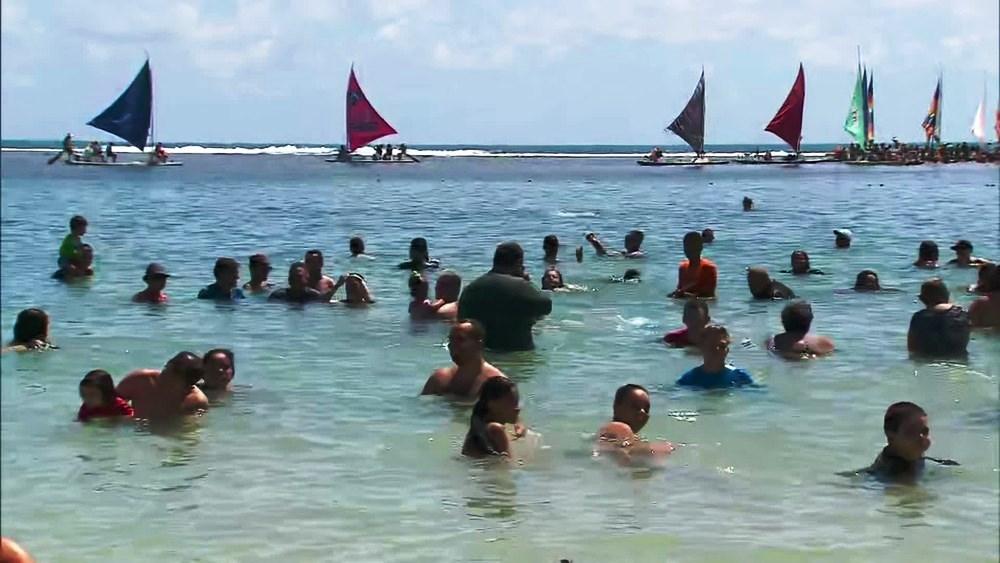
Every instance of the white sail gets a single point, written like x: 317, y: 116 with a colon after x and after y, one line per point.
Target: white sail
x: 979, y: 122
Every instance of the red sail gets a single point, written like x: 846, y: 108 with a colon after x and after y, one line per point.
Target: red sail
x: 787, y: 123
x: 364, y: 124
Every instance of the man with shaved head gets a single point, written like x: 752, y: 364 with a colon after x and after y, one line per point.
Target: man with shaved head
x: 166, y: 393
x: 470, y: 370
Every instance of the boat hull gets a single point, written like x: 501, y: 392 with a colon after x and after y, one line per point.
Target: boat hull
x: 361, y: 161
x: 685, y: 164
x: 883, y: 163
x: 133, y: 163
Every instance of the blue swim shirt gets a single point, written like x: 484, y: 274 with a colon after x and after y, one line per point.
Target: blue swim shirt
x: 728, y: 377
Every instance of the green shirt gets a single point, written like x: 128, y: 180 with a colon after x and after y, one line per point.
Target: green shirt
x: 507, y: 307
x: 70, y: 247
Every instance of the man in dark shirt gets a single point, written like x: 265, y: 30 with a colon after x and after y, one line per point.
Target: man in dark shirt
x: 227, y: 276
x: 505, y: 302
x: 298, y: 290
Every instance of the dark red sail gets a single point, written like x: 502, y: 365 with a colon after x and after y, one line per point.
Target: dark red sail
x: 364, y: 124
x: 787, y: 123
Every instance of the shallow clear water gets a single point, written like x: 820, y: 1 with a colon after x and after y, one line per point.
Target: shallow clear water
x: 325, y: 452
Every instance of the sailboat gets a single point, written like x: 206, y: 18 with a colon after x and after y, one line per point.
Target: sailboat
x: 130, y: 117
x: 363, y: 125
x: 786, y: 125
x: 979, y: 121
x: 690, y: 126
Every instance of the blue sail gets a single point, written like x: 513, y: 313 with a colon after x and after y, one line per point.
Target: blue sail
x: 129, y: 116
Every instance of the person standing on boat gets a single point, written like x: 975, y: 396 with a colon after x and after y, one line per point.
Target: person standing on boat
x: 387, y: 154
x: 109, y: 154
x: 159, y: 155
x: 378, y: 153
x: 401, y: 152
x: 67, y: 146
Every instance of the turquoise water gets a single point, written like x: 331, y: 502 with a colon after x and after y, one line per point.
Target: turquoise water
x: 325, y: 452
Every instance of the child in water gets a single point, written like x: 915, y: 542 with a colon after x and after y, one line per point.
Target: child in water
x: 100, y: 400
x: 713, y: 373
x: 908, y: 437
x: 497, y: 406
x: 72, y: 244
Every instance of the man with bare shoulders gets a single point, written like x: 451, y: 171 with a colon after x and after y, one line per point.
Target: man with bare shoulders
x: 317, y: 279
x: 446, y: 293
x: 166, y: 393
x: 630, y: 412
x: 470, y: 370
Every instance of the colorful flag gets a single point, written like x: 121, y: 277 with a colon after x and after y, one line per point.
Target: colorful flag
x: 932, y: 123
x: 870, y: 121
x: 854, y: 125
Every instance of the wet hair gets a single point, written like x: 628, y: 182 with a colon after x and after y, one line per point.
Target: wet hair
x: 357, y: 245
x: 478, y: 332
x: 631, y: 274
x: 448, y: 280
x: 625, y: 390
x: 225, y: 352
x: 550, y: 241
x: 189, y: 366
x: 419, y: 243
x: 865, y: 273
x: 897, y: 413
x: 636, y: 233
x: 86, y: 246
x: 989, y: 278
x: 296, y: 266
x: 693, y: 235
x: 314, y: 252
x: 225, y: 264
x: 494, y: 388
x: 698, y: 304
x: 31, y: 324
x: 77, y: 221
x: 259, y: 259
x: 707, y: 233
x: 507, y: 255
x: 100, y: 380
x: 928, y: 250
x: 934, y: 289
x: 797, y: 317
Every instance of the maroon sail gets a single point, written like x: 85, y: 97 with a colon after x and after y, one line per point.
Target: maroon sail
x: 690, y: 124
x: 364, y: 124
x: 787, y: 123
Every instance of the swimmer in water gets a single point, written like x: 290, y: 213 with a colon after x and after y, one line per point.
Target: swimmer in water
x: 763, y: 287
x: 796, y: 342
x: 357, y: 246
x: 420, y: 307
x: 169, y: 392
x: 801, y: 266
x: 227, y: 278
x: 420, y: 258
x: 552, y: 279
x: 982, y: 285
x: 260, y: 268
x: 78, y: 268
x: 708, y: 236
x: 842, y: 238
x: 469, y: 371
x: 100, y: 400
x: 298, y: 290
x: 633, y: 245
x: 867, y: 280
x: 963, y: 256
x: 550, y: 245
x: 219, y: 370
x: 908, y: 437
x: 927, y: 255
x: 984, y: 312
x: 357, y: 292
x: 31, y: 332
x: 696, y: 276
x: 447, y: 290
x: 695, y: 319
x: 713, y: 373
x: 631, y: 275
x: 941, y: 328
x: 156, y: 280
x: 496, y: 407
x: 317, y: 279
x: 747, y: 204
x: 630, y: 413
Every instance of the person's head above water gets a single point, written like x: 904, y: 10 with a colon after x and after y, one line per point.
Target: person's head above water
x: 260, y: 267
x: 448, y: 286
x: 78, y: 225
x: 632, y: 275
x: 356, y: 289
x: 759, y: 282
x: 86, y: 258
x: 465, y: 342
x: 707, y: 236
x: 226, y: 272
x: 928, y: 251
x: 508, y: 258
x: 631, y: 406
x: 357, y: 245
x: 934, y: 292
x: 797, y: 317
x: 800, y: 262
x: 298, y: 276
x: 714, y: 346
x: 418, y: 250
x: 693, y: 244
x: 97, y: 389
x: 907, y: 431
x: 552, y: 279
x: 314, y: 262
x: 498, y: 401
x: 550, y: 245
x: 156, y: 276
x: 419, y: 288
x: 31, y: 324
x: 747, y: 203
x: 867, y: 280
x: 633, y: 240
x: 219, y: 368
x: 185, y: 368
x: 842, y: 238
x: 695, y: 314
x: 963, y: 249
x: 988, y: 279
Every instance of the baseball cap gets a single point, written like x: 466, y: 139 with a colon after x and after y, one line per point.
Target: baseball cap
x: 962, y: 244
x: 155, y: 269
x: 846, y: 233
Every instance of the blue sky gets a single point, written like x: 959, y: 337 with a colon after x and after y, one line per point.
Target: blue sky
x: 555, y: 71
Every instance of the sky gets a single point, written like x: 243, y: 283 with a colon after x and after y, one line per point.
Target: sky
x: 493, y: 72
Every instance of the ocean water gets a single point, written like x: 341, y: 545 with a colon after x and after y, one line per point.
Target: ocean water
x: 326, y: 453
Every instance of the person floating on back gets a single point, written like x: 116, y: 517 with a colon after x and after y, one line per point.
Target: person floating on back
x: 796, y: 342
x: 630, y: 413
x: 469, y: 371
x: 504, y: 302
x: 227, y: 278
x: 697, y: 277
x: 963, y: 255
x: 156, y: 281
x: 908, y: 437
x: 941, y: 329
x: 633, y: 245
x: 695, y: 319
x: 713, y: 373
x: 763, y: 287
x: 496, y: 407
x: 100, y: 400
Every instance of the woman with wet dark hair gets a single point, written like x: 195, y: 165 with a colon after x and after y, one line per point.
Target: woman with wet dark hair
x: 31, y: 331
x: 497, y: 406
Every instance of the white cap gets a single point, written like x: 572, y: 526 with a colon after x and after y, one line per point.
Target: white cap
x: 843, y: 233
